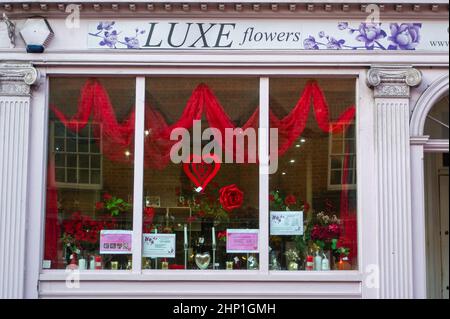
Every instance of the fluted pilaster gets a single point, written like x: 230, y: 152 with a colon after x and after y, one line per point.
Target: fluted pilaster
x: 391, y: 92
x: 15, y: 89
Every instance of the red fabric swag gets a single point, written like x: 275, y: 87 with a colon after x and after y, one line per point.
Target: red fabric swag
x: 117, y: 138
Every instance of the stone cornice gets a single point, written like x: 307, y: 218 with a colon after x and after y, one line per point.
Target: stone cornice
x: 393, y: 81
x: 17, y: 78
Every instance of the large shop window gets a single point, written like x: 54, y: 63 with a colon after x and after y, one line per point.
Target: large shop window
x: 198, y: 171
x: 90, y: 173
x: 314, y: 152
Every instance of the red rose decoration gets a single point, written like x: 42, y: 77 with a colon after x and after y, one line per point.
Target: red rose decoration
x: 222, y: 235
x: 231, y: 197
x: 306, y: 206
x: 149, y: 214
x: 271, y: 198
x: 201, y: 214
x: 99, y: 205
x: 290, y: 200
x: 191, y: 219
x: 107, y: 196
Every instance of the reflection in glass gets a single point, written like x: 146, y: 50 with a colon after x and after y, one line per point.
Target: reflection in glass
x: 436, y: 124
x: 313, y: 193
x: 90, y: 179
x: 198, y: 221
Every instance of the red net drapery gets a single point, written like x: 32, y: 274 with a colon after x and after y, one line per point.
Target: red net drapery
x: 117, y: 138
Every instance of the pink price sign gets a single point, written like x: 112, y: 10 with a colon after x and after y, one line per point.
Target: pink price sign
x: 242, y: 240
x: 115, y: 241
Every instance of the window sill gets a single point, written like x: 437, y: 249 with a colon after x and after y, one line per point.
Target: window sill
x: 197, y: 275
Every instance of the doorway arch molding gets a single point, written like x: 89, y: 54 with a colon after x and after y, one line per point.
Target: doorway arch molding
x: 418, y: 144
x: 436, y: 91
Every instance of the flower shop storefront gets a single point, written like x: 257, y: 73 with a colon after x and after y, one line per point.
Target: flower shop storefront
x: 214, y: 150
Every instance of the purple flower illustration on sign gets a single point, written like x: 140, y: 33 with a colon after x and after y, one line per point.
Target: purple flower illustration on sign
x: 310, y: 43
x: 370, y: 34
x: 110, y: 36
x: 405, y: 36
x: 277, y: 219
x: 133, y: 42
x: 109, y: 39
x: 334, y: 44
x: 105, y: 25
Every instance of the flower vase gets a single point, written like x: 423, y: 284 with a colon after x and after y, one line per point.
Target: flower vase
x: 292, y: 265
x: 329, y: 255
x: 344, y: 264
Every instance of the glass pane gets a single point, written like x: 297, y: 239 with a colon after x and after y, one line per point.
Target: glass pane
x: 93, y: 199
x: 72, y: 161
x: 95, y: 161
x: 60, y: 175
x: 336, y: 177
x: 337, y: 146
x: 436, y: 125
x: 71, y: 144
x: 336, y: 162
x: 84, y: 176
x: 59, y: 145
x: 207, y: 212
x: 84, y: 161
x: 94, y: 146
x: 83, y: 145
x: 95, y: 176
x: 60, y: 160
x: 312, y: 225
x: 71, y: 176
x: 60, y: 129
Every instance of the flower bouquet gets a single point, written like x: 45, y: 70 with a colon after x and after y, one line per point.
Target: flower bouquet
x: 216, y: 204
x: 82, y: 233
x: 112, y: 205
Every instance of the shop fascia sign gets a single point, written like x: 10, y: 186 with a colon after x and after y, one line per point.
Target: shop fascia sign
x: 268, y: 35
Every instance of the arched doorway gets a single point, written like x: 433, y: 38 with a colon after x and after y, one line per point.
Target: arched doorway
x: 429, y: 174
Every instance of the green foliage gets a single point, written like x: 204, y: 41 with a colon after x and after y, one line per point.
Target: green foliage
x: 116, y: 206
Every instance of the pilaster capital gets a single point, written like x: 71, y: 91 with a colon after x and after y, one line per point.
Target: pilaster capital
x: 393, y: 81
x: 17, y: 78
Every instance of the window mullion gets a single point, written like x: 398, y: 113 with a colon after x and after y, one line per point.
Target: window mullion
x: 138, y: 174
x: 264, y: 174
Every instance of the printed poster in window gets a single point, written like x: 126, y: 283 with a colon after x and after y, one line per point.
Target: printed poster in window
x: 159, y: 245
x: 286, y: 223
x: 115, y: 241
x: 242, y: 241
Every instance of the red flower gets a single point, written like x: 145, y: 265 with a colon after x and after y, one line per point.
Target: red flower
x: 306, y: 206
x: 99, y: 205
x: 290, y: 200
x: 147, y: 228
x: 271, y: 198
x: 107, y: 196
x: 231, y: 197
x: 149, y: 214
x: 222, y: 235
x: 191, y: 219
x: 316, y: 233
x: 334, y: 230
x: 201, y: 214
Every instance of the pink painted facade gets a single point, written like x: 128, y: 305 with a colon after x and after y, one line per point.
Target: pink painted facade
x: 395, y: 90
